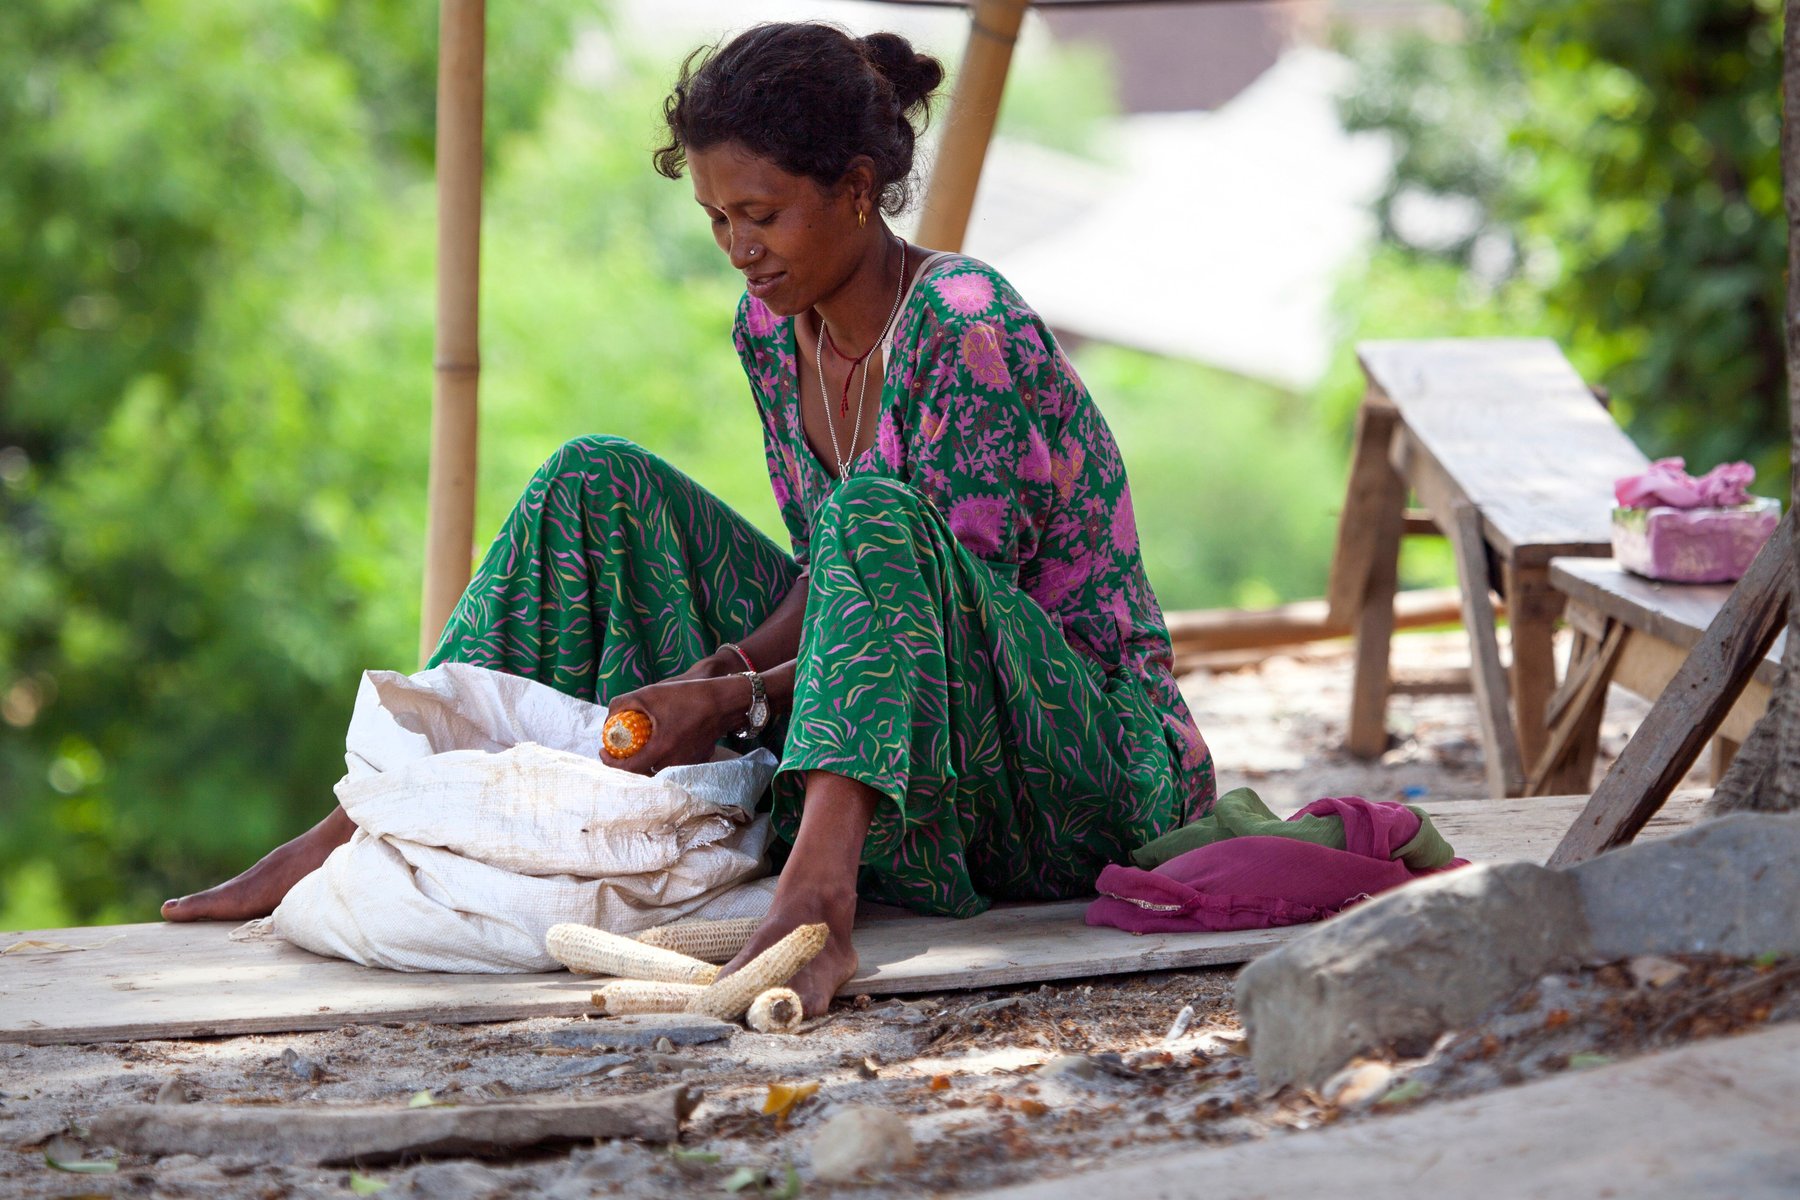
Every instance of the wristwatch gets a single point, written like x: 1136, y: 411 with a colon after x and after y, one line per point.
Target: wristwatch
x: 758, y: 716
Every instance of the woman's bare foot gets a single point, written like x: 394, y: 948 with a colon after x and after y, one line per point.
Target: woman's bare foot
x: 256, y: 892
x: 820, y: 979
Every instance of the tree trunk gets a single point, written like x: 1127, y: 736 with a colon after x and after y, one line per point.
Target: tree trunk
x: 1766, y: 774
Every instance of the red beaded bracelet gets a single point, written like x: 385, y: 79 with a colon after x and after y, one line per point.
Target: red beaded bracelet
x: 739, y: 651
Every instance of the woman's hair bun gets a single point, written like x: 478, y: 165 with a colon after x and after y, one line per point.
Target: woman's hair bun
x: 913, y: 76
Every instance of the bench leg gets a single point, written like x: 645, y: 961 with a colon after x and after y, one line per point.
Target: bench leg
x: 1500, y: 746
x: 1724, y: 750
x: 1532, y: 608
x: 1381, y: 499
x: 1573, y: 738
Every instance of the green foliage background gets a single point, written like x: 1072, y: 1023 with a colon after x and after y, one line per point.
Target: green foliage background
x: 1620, y: 162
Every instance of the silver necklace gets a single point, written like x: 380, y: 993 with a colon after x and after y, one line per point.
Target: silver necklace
x: 843, y: 464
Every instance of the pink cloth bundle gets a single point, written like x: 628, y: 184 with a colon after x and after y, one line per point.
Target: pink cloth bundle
x: 1263, y: 882
x: 1667, y: 483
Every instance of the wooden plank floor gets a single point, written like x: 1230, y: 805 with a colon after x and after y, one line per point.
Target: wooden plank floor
x: 162, y: 981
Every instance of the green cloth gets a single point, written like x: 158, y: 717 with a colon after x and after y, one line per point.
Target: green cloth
x: 1242, y: 813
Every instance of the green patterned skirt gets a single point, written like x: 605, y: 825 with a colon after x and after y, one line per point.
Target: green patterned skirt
x: 1012, y: 766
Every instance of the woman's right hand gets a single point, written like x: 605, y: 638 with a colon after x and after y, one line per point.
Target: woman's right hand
x: 687, y: 719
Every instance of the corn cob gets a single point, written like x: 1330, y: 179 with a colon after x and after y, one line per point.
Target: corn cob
x: 623, y: 996
x: 597, y: 952
x: 729, y: 998
x: 708, y: 941
x: 777, y: 1010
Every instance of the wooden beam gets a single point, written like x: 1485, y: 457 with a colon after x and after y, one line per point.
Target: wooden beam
x: 1301, y: 621
x: 450, y: 490
x: 1690, y: 709
x: 969, y: 125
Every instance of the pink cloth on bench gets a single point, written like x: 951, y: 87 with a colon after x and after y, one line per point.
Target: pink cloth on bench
x: 1667, y: 482
x: 1263, y: 882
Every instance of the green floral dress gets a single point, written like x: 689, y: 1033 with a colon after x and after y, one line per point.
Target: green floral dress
x: 980, y: 644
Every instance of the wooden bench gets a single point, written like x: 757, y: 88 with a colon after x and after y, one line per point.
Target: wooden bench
x: 1634, y: 632
x: 1510, y: 457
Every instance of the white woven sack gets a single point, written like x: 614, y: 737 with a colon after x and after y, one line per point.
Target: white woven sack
x: 485, y: 816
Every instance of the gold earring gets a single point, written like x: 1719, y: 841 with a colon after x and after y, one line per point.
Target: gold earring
x: 862, y: 217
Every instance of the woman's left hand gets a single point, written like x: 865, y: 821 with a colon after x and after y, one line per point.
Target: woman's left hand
x: 687, y: 719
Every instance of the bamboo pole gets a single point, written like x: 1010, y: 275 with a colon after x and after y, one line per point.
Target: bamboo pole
x: 974, y: 106
x: 450, y: 492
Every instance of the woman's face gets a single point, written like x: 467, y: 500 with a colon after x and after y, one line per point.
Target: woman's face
x: 794, y: 240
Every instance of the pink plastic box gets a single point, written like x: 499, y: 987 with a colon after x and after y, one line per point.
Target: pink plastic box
x: 1693, y: 545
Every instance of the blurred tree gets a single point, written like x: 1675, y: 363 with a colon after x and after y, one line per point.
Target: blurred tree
x: 195, y: 214
x: 1620, y: 163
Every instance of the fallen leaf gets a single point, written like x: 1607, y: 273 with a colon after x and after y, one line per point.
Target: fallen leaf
x: 705, y: 1157
x: 1402, y: 1093
x: 366, y: 1185
x: 783, y: 1097
x: 64, y: 1155
x: 790, y: 1186
x: 1588, y: 1059
x: 426, y: 1100
x: 1028, y: 1106
x: 742, y: 1178
x: 940, y: 1083
x: 1653, y: 970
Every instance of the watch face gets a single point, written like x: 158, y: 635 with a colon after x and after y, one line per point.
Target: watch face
x: 759, y: 714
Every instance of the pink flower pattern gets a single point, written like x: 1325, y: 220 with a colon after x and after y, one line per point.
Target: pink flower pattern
x: 965, y: 295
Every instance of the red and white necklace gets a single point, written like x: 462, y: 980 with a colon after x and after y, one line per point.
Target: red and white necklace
x: 861, y: 360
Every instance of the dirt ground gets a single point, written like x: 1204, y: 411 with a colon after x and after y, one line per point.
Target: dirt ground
x: 995, y: 1087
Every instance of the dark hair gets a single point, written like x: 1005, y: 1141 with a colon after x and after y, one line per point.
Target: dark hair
x: 809, y: 98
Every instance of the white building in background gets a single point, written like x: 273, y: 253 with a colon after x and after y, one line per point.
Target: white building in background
x: 1219, y: 236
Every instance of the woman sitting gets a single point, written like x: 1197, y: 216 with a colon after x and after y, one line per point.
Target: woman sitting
x: 961, y: 664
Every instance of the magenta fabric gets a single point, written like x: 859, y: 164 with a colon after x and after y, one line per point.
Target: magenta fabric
x: 1667, y: 482
x: 1263, y: 882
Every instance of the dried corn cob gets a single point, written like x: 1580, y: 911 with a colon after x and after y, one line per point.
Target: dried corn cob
x: 597, y: 952
x: 777, y: 1010
x: 623, y: 996
x: 708, y: 941
x: 729, y: 998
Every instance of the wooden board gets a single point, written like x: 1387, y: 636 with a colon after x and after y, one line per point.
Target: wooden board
x: 1512, y: 424
x: 1713, y: 1119
x: 1673, y: 612
x: 173, y: 981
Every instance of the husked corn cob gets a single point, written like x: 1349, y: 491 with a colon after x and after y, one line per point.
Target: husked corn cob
x: 623, y: 996
x: 729, y: 998
x: 597, y: 952
x: 708, y: 941
x: 777, y: 1010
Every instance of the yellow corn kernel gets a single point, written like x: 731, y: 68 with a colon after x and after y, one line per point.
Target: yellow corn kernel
x: 623, y: 996
x: 777, y: 1010
x: 708, y: 941
x: 729, y: 998
x: 597, y: 952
